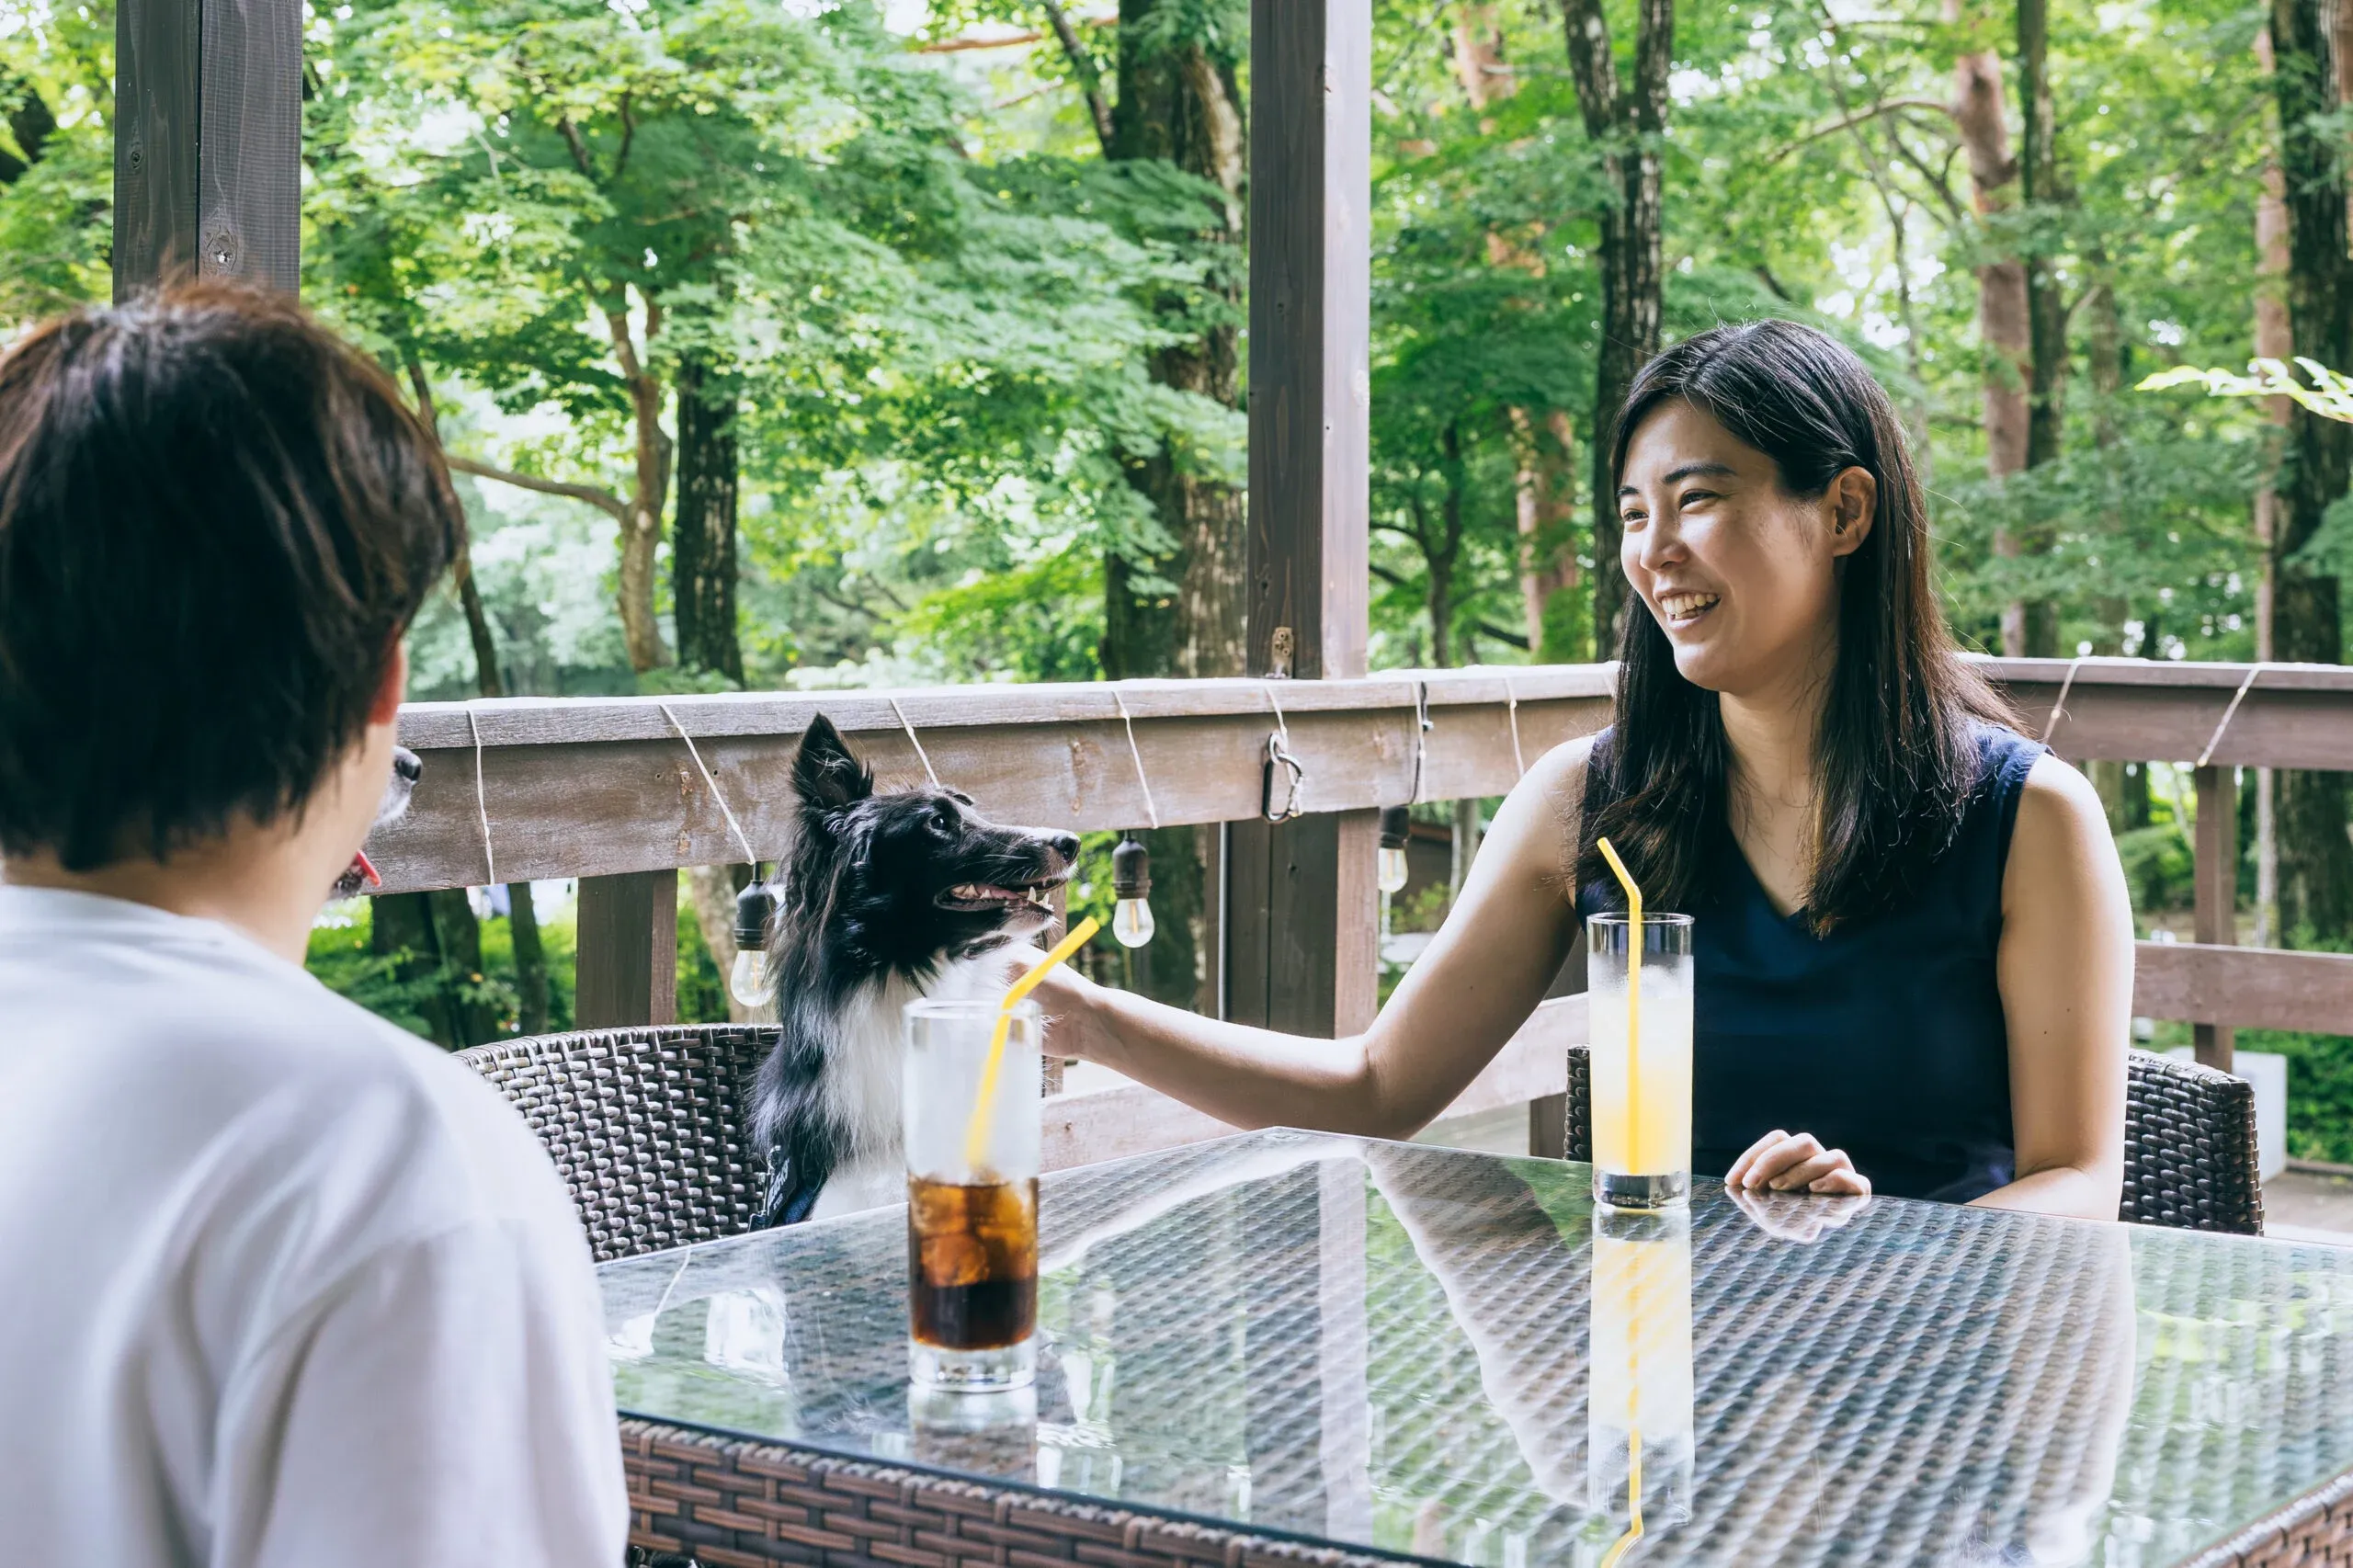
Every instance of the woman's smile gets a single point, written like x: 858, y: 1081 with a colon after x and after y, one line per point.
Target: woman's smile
x: 1682, y: 609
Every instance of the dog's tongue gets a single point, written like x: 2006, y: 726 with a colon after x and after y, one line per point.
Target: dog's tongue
x: 367, y: 868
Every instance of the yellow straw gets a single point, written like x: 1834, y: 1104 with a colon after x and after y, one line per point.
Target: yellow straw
x: 1633, y: 989
x: 1625, y: 1543
x: 976, y: 1135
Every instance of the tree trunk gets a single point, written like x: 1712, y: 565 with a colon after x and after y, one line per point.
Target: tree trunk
x: 2273, y: 340
x: 702, y: 537
x: 2002, y: 317
x: 1557, y: 631
x: 711, y: 891
x: 1179, y: 104
x: 641, y: 530
x: 440, y: 942
x: 2046, y: 308
x: 523, y: 917
x: 1628, y: 126
x: 2316, y: 859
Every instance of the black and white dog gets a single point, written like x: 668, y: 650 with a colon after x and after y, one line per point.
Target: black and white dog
x: 360, y: 875
x: 886, y: 898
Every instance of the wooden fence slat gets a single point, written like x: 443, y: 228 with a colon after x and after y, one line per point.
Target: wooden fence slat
x: 627, y: 948
x: 2216, y: 889
x: 2251, y: 987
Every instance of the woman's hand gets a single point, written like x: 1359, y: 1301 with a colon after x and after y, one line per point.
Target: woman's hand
x: 1796, y: 1162
x: 1794, y: 1216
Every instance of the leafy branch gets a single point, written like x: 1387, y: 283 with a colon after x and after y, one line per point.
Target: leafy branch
x: 2330, y: 396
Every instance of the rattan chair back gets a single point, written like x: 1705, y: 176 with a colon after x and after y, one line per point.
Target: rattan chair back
x: 2189, y: 1143
x: 646, y: 1126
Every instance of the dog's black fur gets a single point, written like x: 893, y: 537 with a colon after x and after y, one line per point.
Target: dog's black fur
x: 407, y: 769
x: 869, y: 917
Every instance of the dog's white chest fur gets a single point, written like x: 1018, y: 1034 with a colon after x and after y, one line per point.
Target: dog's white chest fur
x: 863, y: 1081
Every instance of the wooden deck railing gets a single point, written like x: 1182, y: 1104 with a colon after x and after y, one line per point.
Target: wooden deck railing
x: 604, y: 790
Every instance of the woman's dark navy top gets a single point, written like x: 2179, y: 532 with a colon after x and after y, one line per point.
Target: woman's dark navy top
x: 1883, y: 1038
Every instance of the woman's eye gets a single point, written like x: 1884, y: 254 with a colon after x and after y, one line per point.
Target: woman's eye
x: 1693, y: 497
x: 1632, y: 519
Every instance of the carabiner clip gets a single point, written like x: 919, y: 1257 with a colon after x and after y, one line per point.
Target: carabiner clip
x: 1294, y: 793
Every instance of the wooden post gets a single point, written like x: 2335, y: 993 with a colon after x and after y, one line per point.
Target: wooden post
x: 2215, y: 920
x: 1302, y: 941
x: 208, y: 141
x: 628, y: 950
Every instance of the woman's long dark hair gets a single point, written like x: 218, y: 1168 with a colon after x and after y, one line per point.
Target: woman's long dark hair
x: 1895, y: 753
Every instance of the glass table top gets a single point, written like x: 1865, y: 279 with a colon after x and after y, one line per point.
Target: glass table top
x: 1451, y: 1356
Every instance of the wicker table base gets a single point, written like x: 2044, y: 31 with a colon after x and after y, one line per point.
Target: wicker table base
x: 723, y: 1503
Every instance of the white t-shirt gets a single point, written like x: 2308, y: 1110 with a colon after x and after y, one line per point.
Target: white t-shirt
x: 280, y: 1284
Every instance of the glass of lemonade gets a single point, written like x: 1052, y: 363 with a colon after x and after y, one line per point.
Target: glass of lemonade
x: 971, y: 1203
x: 1640, y: 1412
x: 1641, y: 1096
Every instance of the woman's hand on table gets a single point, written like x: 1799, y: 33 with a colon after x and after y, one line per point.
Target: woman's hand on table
x: 1796, y: 1162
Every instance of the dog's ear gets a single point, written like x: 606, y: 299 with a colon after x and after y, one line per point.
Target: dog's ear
x: 826, y: 774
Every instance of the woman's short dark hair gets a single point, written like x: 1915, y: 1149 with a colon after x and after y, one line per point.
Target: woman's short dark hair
x: 216, y: 521
x: 1897, y: 754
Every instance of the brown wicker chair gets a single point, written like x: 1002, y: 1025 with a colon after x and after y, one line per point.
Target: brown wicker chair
x: 646, y: 1126
x: 2189, y: 1143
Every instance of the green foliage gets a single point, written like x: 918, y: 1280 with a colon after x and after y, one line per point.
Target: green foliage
x: 340, y: 958
x: 702, y: 990
x: 2320, y: 1091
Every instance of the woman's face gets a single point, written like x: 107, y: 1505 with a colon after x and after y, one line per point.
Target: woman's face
x: 1739, y: 574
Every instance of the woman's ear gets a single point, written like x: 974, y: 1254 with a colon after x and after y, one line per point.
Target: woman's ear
x: 1850, y: 504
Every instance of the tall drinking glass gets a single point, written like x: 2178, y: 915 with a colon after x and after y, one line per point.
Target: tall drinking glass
x: 1639, y: 1446
x: 972, y: 1196
x: 1640, y: 1060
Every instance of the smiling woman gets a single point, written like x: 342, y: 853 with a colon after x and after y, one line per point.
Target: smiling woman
x: 1911, y: 942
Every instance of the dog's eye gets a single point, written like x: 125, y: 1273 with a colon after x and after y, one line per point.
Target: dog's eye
x: 943, y: 818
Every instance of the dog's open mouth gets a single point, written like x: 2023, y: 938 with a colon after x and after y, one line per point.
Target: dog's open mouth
x: 976, y: 897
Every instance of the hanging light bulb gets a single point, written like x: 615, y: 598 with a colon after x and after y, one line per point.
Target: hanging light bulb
x: 755, y: 906
x: 1389, y: 870
x: 1131, y: 884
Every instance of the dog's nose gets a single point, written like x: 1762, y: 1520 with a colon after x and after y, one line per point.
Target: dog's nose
x: 1065, y: 845
x: 407, y: 764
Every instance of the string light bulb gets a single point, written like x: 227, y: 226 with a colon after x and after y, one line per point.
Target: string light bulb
x: 1389, y: 870
x: 1132, y: 921
x: 749, y: 981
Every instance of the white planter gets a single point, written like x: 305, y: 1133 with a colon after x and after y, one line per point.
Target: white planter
x: 2268, y: 1071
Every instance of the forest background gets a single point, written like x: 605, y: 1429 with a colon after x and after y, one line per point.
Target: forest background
x: 781, y: 343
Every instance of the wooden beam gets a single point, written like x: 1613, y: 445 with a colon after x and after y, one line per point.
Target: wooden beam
x: 567, y: 797
x: 2155, y: 710
x: 208, y: 141
x: 2215, y: 889
x: 1303, y: 933
x: 628, y: 949
x: 2251, y: 987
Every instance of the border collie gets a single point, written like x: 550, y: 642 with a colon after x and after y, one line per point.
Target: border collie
x: 360, y: 875
x: 886, y: 898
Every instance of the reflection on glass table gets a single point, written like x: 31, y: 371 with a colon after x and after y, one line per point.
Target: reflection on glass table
x: 1417, y: 1351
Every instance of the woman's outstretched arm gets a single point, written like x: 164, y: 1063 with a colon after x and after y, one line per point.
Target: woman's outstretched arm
x: 2065, y: 968
x: 1482, y: 975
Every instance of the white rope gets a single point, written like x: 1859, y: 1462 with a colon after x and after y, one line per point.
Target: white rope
x: 1421, y: 735
x: 1512, y: 705
x: 922, y: 755
x: 481, y: 803
x: 1150, y: 810
x: 713, y: 785
x: 2229, y: 713
x: 1277, y: 707
x: 2065, y: 686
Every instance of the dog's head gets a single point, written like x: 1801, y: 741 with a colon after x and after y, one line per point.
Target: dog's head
x: 407, y: 769
x: 912, y: 877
